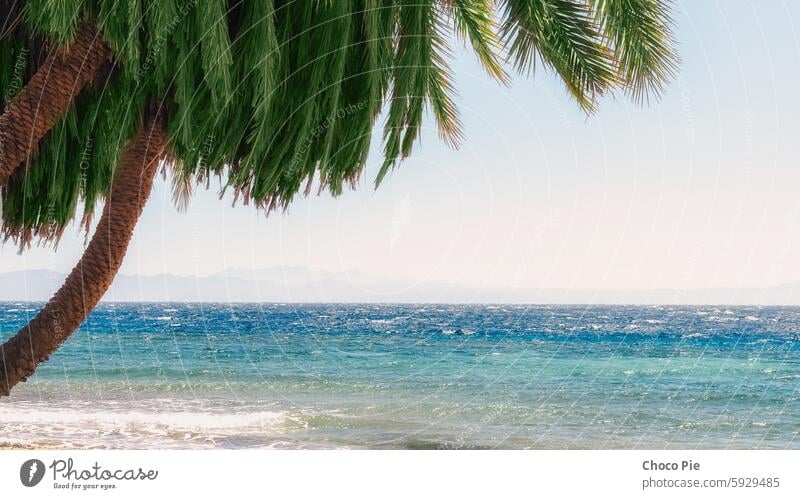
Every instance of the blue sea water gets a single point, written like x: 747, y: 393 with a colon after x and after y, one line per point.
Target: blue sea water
x: 167, y: 375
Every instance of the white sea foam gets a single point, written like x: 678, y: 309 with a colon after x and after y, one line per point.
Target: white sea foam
x: 694, y: 335
x: 117, y: 425
x: 174, y: 419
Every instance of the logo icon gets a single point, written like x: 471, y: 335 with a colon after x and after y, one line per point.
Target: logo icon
x: 31, y: 472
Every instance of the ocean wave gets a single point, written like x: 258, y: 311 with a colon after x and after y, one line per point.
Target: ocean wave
x: 694, y: 335
x: 188, y: 420
x: 122, y: 425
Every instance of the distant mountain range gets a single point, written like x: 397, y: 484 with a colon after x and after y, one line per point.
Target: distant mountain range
x: 299, y: 284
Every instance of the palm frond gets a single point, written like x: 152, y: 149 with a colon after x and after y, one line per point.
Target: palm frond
x: 57, y: 20
x: 474, y: 21
x: 274, y: 96
x: 564, y: 36
x: 420, y: 74
x: 640, y: 35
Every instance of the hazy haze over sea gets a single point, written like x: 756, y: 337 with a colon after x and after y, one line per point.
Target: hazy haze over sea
x: 304, y: 285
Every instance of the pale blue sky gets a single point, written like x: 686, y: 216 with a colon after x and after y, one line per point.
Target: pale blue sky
x: 699, y: 189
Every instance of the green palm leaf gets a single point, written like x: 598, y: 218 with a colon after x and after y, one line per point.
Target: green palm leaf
x: 275, y: 96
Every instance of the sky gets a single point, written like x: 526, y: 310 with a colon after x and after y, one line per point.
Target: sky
x: 699, y: 189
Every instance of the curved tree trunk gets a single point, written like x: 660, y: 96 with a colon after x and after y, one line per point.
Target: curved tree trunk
x: 47, y: 96
x: 98, y: 266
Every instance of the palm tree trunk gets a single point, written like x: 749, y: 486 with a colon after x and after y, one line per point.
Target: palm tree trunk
x: 98, y: 266
x: 47, y: 96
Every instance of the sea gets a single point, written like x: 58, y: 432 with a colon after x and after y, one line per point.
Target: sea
x: 426, y: 376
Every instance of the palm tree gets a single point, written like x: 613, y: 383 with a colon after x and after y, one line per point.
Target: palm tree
x: 270, y: 96
x: 32, y: 112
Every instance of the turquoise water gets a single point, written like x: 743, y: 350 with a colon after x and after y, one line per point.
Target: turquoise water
x: 413, y: 376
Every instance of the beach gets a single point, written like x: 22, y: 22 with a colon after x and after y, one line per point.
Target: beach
x: 321, y: 376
